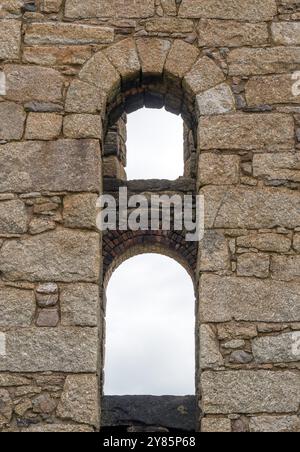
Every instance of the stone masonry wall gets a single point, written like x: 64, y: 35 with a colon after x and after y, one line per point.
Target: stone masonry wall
x: 69, y: 70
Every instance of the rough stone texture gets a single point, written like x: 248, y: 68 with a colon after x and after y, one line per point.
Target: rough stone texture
x: 12, y: 119
x: 253, y: 264
x: 271, y: 89
x: 10, y: 39
x: 248, y: 299
x: 124, y: 57
x: 215, y: 425
x: 246, y: 132
x: 213, y: 252
x: 83, y: 98
x: 47, y: 318
x: 153, y: 54
x: 251, y: 208
x: 71, y: 350
x: 176, y: 66
x: 210, y: 355
x: 282, y: 166
x: 58, y: 428
x: 80, y: 211
x: 254, y: 11
x: 276, y: 349
x: 286, y: 33
x: 59, y: 55
x: 204, y: 75
x: 33, y: 83
x: 285, y: 268
x: 220, y: 33
x: 71, y: 165
x: 109, y: 8
x: 55, y: 256
x: 17, y: 308
x: 79, y: 305
x: 43, y: 126
x: 215, y: 169
x: 82, y: 126
x: 275, y: 424
x: 245, y: 392
x: 276, y: 243
x: 67, y: 34
x: 79, y: 401
x: 216, y: 101
x: 13, y: 217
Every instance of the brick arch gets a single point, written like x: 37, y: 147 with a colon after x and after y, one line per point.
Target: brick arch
x: 118, y: 246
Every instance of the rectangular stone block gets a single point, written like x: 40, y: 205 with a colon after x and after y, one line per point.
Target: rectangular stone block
x: 284, y: 348
x: 286, y: 33
x: 73, y: 350
x: 62, y: 255
x: 79, y: 305
x: 248, y: 299
x: 275, y: 424
x: 13, y: 217
x: 33, y: 83
x: 57, y: 55
x: 285, y: 268
x: 281, y: 166
x: 247, y: 132
x: 254, y: 11
x: 10, y: 39
x: 17, y: 307
x: 249, y: 392
x: 251, y: 208
x: 12, y: 120
x: 247, y: 61
x: 77, y: 9
x: 276, y: 243
x: 271, y: 89
x: 67, y: 34
x: 217, y: 169
x: 230, y: 33
x: 62, y: 165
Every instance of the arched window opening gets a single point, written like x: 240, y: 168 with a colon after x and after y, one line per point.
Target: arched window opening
x: 150, y: 339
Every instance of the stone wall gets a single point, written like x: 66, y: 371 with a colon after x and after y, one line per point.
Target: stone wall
x: 69, y: 71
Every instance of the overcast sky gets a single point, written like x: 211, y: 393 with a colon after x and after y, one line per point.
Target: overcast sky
x: 150, y: 344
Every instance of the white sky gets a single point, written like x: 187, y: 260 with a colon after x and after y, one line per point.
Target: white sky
x: 154, y: 145
x: 150, y: 343
x: 150, y: 300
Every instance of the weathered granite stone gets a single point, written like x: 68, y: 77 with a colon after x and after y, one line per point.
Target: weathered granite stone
x: 176, y: 66
x: 84, y: 98
x: 79, y: 305
x: 215, y: 425
x: 153, y: 54
x: 210, y: 355
x: 73, y: 350
x: 247, y: 299
x: 47, y: 318
x: 233, y: 330
x: 62, y: 255
x: 251, y: 208
x: 286, y: 33
x: 17, y: 307
x: 245, y: 392
x: 13, y: 217
x: 6, y: 407
x: 58, y: 428
x: 260, y: 61
x: 213, y: 252
x: 67, y: 34
x: 277, y: 243
x: 220, y: 33
x: 276, y: 349
x: 240, y: 357
x: 12, y: 119
x: 247, y: 132
x: 275, y: 424
x: 253, y: 264
x: 204, y: 75
x: 281, y: 166
x: 285, y: 268
x: 270, y: 89
x: 124, y: 57
x: 79, y: 400
x: 216, y: 169
x: 80, y: 211
x: 43, y: 126
x: 7, y: 380
x: 10, y: 39
x: 296, y: 242
x: 169, y: 24
x: 33, y: 83
x: 51, y: 6
x: 82, y: 126
x: 58, y: 55
x: 40, y: 225
x: 243, y: 10
x: 43, y: 403
x: 63, y: 165
x: 216, y: 101
x: 109, y: 8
